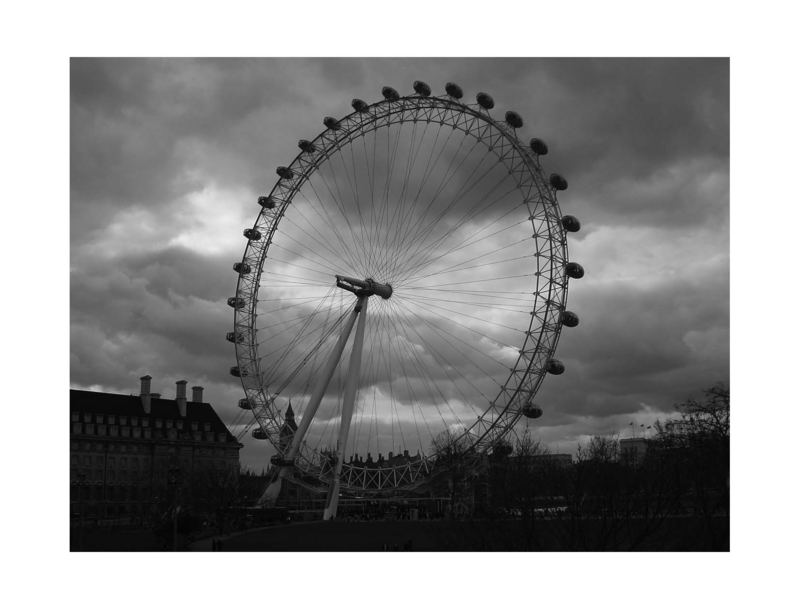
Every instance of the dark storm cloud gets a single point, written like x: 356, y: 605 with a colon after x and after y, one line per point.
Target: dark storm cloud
x: 636, y: 354
x: 620, y: 345
x: 167, y: 157
x: 147, y: 132
x: 644, y: 113
x: 159, y: 311
x: 634, y: 114
x: 179, y: 272
x: 689, y: 193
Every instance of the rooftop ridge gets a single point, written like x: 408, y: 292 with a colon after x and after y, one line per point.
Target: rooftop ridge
x: 99, y: 402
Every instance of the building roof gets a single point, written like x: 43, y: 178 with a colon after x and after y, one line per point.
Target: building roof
x: 96, y: 402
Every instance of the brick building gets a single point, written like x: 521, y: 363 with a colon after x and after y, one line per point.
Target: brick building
x: 134, y: 456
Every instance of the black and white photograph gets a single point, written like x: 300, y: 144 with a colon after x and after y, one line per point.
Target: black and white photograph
x: 399, y: 305
x: 420, y: 304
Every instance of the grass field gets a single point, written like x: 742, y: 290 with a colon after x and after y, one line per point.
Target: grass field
x: 672, y: 534
x: 676, y: 534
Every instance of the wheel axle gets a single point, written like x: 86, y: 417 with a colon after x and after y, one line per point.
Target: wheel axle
x: 364, y: 287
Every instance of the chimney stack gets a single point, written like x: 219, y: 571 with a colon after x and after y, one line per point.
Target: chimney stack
x: 197, y: 394
x: 180, y: 397
x: 144, y: 392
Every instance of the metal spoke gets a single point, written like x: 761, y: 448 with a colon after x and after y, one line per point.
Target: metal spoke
x: 432, y: 215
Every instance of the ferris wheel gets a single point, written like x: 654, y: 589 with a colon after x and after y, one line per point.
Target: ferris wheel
x: 401, y: 293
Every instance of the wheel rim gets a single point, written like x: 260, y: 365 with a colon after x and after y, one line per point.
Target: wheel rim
x: 296, y: 192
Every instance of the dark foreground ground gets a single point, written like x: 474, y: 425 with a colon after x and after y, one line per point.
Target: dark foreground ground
x: 673, y: 534
x: 678, y: 534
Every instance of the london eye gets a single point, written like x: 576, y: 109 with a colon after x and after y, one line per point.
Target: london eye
x: 401, y: 293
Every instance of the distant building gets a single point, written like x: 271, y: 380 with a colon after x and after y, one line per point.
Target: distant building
x: 632, y: 451
x: 133, y: 456
x: 391, y: 460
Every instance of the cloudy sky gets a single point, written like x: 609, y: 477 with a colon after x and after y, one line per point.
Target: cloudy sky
x: 169, y: 156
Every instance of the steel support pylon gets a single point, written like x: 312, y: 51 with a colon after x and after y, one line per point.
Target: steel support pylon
x: 348, y: 405
x: 363, y: 289
x: 270, y: 495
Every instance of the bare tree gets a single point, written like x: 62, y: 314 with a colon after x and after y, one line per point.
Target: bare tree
x: 454, y: 463
x: 698, y: 442
x: 601, y: 449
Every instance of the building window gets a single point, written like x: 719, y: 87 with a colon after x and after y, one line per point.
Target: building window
x: 168, y: 423
x: 123, y: 420
x: 100, y: 418
x: 112, y: 420
x: 75, y: 416
x: 134, y: 421
x: 158, y: 423
x: 87, y: 418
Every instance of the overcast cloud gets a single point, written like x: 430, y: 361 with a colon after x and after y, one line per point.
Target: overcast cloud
x: 168, y: 157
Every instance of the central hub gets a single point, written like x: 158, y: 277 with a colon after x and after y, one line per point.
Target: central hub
x: 364, y: 287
